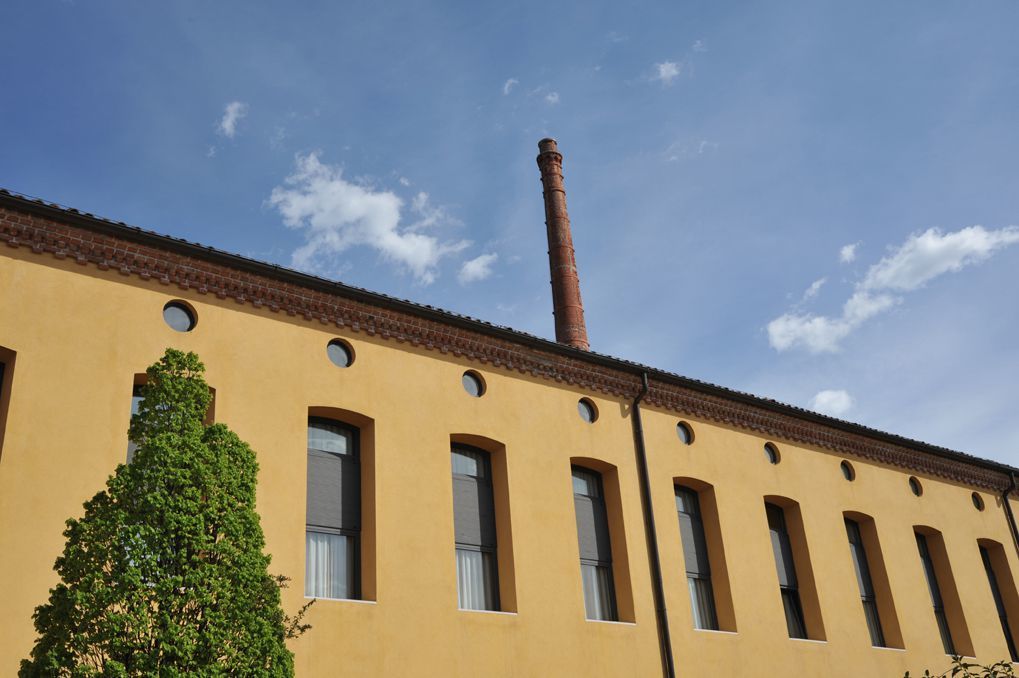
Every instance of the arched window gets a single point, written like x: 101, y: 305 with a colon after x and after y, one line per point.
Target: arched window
x: 695, y: 553
x: 7, y: 357
x: 868, y: 595
x: 477, y: 562
x: 787, y: 581
x: 944, y: 594
x: 1002, y: 589
x: 333, y: 533
x: 595, y: 545
x: 136, y: 400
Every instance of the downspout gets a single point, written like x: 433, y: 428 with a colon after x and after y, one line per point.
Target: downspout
x: 1008, y: 510
x: 651, y: 533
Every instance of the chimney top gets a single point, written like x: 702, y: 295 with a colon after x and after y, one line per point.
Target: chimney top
x: 548, y: 144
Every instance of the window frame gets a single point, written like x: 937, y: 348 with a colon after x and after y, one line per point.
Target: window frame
x: 782, y: 551
x: 601, y: 567
x: 350, y: 463
x: 492, y: 568
x: 701, y: 589
x: 861, y: 566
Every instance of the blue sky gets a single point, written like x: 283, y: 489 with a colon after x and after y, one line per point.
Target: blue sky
x: 721, y: 160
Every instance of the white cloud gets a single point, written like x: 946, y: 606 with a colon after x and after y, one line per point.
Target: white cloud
x: 404, y: 181
x: 552, y: 98
x: 923, y: 257
x: 477, y: 268
x: 814, y: 288
x: 336, y: 214
x: 667, y: 71
x: 833, y: 403
x: 927, y: 255
x: 699, y: 46
x: 508, y: 86
x: 232, y: 114
x: 847, y: 254
x: 211, y: 153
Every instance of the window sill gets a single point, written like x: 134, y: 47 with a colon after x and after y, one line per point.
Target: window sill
x: 809, y: 640
x: 720, y: 631
x: 607, y: 621
x: 885, y: 647
x: 504, y: 612
x: 342, y: 600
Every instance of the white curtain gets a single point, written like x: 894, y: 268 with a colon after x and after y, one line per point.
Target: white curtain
x: 702, y: 600
x: 475, y: 585
x: 329, y: 565
x: 599, y: 602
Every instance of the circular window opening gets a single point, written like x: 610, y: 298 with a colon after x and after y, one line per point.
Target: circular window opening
x: 340, y: 353
x: 473, y: 384
x: 684, y: 432
x: 179, y: 316
x: 978, y: 501
x: 588, y: 412
x: 915, y: 486
x: 848, y: 472
x: 771, y: 453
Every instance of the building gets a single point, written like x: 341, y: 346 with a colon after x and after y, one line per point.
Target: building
x: 469, y: 500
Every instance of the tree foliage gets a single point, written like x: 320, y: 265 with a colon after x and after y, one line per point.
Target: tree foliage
x: 165, y: 574
x: 963, y: 669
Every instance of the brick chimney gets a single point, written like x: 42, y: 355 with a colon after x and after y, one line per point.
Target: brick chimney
x: 567, y: 307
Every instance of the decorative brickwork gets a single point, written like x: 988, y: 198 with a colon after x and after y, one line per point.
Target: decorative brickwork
x: 130, y: 252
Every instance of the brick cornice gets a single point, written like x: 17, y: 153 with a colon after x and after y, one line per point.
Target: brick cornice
x: 112, y: 247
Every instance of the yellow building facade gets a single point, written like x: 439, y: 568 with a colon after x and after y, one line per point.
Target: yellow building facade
x: 82, y: 315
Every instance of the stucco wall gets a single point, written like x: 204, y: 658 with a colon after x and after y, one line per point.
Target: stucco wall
x: 82, y: 334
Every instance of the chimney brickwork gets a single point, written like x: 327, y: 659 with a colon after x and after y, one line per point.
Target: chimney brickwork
x: 566, y: 304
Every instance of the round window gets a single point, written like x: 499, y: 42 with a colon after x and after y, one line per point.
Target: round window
x: 179, y: 316
x: 848, y: 472
x: 771, y: 453
x: 340, y: 353
x: 588, y: 412
x: 473, y: 383
x: 684, y: 432
x: 915, y: 486
x: 978, y: 501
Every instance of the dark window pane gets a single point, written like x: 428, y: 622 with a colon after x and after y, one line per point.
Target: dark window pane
x: 702, y: 600
x: 339, y: 353
x: 877, y: 636
x: 595, y: 545
x: 691, y: 530
x: 468, y: 462
x: 332, y: 559
x: 585, y: 483
x: 331, y: 437
x: 599, y: 591
x: 330, y: 569
x: 935, y: 591
x: 795, y: 625
x: 474, y: 528
x: 586, y: 410
x: 999, y: 604
x: 179, y: 317
x: 477, y: 587
x: 472, y: 384
x: 786, y: 569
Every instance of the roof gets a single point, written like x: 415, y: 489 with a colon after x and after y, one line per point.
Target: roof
x: 19, y: 202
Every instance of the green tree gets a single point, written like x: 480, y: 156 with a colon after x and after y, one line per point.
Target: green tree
x: 165, y: 574
x: 962, y: 669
